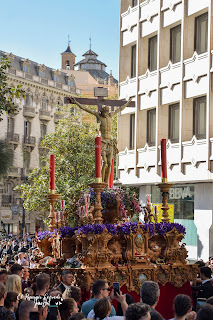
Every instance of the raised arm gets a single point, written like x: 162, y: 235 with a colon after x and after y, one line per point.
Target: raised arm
x: 122, y: 107
x: 73, y: 101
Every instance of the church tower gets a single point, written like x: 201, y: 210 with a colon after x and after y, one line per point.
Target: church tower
x: 68, y: 59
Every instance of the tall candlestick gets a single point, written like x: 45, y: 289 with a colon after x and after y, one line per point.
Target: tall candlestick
x: 56, y: 216
x: 110, y: 182
x: 98, y: 159
x: 163, y: 161
x: 62, y: 205
x: 52, y: 173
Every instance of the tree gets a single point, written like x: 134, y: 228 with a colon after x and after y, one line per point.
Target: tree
x: 74, y: 149
x: 6, y: 157
x: 7, y: 92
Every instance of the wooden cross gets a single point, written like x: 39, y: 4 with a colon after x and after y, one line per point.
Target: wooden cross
x: 100, y: 93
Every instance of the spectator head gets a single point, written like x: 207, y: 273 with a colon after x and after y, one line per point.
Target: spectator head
x: 205, y: 313
x: 72, y: 292
x: 102, y: 308
x: 28, y: 291
x: 43, y: 282
x: 21, y: 255
x: 100, y: 288
x: 182, y: 305
x: 200, y: 263
x: 25, y: 273
x: 210, y: 301
x: 2, y: 292
x: 205, y: 273
x: 3, y: 276
x: 14, y: 284
x: 11, y: 300
x: 68, y: 308
x: 25, y: 308
x: 138, y: 311
x: 17, y: 269
x: 67, y: 277
x: 78, y: 316
x: 150, y: 293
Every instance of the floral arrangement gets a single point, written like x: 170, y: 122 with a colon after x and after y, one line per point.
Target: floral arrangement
x: 110, y: 197
x: 124, y: 229
x: 50, y: 263
x: 73, y: 262
x: 46, y: 234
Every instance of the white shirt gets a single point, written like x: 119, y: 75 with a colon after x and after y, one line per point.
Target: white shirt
x: 91, y: 315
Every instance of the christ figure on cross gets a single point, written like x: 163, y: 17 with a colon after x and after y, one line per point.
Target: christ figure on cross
x: 108, y: 144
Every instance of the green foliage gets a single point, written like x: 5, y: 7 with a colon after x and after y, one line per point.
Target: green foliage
x: 73, y: 147
x: 6, y: 157
x: 7, y: 93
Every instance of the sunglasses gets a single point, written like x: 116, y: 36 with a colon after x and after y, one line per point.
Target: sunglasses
x: 108, y: 289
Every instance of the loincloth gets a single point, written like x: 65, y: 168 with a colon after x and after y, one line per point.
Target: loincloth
x: 108, y: 146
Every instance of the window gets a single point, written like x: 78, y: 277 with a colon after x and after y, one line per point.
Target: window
x: 55, y: 78
x: 26, y: 159
x: 201, y: 33
x: 132, y: 132
x: 199, y: 118
x: 174, y: 122
x: 43, y: 130
x: 25, y: 68
x: 27, y: 128
x: 134, y: 3
x: 44, y: 104
x: 133, y: 61
x: 69, y: 83
x: 175, y: 44
x: 152, y: 59
x: 67, y: 65
x: 151, y: 127
x: 10, y: 125
x: 41, y: 74
x: 28, y: 99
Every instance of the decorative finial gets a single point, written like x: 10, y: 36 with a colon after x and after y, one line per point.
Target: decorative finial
x: 69, y: 40
x: 90, y: 42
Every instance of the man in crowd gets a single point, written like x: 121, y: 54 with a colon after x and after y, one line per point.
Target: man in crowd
x: 17, y: 269
x: 66, y: 280
x: 100, y: 289
x: 138, y: 311
x: 150, y: 294
x: 4, y: 312
x: 3, y: 276
x: 26, y: 307
x: 206, y: 288
x: 42, y: 284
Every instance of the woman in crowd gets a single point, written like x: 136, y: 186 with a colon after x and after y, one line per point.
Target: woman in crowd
x: 68, y: 308
x: 73, y: 292
x: 13, y: 284
x: 103, y: 307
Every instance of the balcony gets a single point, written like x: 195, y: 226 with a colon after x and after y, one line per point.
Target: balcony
x: 6, y: 199
x: 58, y: 117
x: 149, y: 17
x: 129, y: 18
x: 128, y: 88
x: 170, y: 78
x: 171, y: 11
x: 12, y: 137
x: 148, y: 90
x: 29, y: 141
x: 14, y: 172
x: 29, y: 112
x: 44, y: 115
x: 195, y: 6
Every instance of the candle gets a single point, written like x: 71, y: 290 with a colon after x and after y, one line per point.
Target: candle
x: 147, y: 199
x: 62, y: 205
x: 52, y: 173
x: 82, y: 210
x: 86, y: 210
x: 86, y: 197
x: 61, y: 215
x: 56, y: 215
x: 98, y: 159
x: 155, y: 209
x: 110, y: 182
x: 163, y: 161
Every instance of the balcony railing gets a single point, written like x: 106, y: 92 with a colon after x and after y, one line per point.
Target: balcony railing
x: 12, y: 137
x: 14, y: 172
x: 29, y: 111
x: 44, y: 115
x: 28, y: 140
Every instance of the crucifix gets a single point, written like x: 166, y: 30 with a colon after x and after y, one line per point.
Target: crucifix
x: 104, y: 117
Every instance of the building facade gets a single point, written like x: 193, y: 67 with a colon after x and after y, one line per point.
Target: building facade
x: 89, y: 73
x: 45, y: 91
x: 166, y: 55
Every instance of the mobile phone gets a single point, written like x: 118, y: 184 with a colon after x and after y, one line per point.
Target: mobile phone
x: 200, y: 303
x: 116, y: 288
x: 53, y: 312
x: 34, y: 315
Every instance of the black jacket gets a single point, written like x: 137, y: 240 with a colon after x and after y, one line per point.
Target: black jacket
x: 205, y: 290
x: 61, y: 287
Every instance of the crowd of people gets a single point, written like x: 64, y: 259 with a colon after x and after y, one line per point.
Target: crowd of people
x: 25, y: 298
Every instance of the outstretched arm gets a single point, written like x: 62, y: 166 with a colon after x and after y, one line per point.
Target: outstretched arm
x: 73, y: 100
x: 122, y: 107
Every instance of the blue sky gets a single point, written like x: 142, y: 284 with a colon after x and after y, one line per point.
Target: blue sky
x: 38, y: 30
